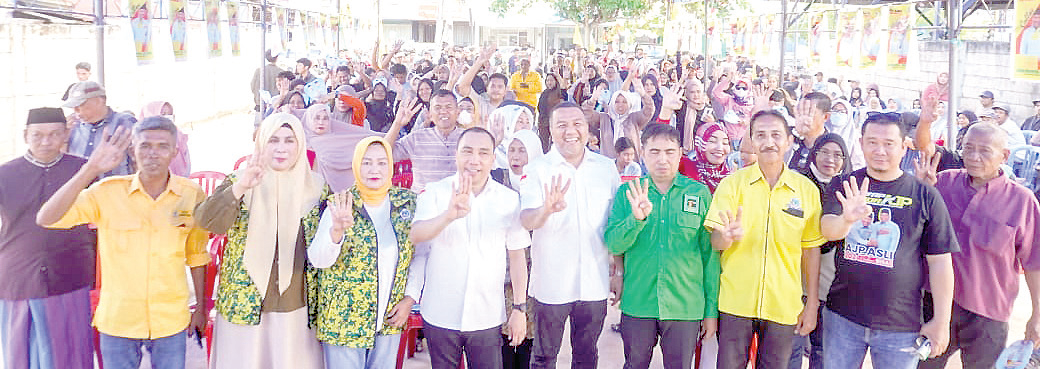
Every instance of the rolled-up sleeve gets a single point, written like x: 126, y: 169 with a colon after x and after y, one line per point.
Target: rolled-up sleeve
x: 220, y: 210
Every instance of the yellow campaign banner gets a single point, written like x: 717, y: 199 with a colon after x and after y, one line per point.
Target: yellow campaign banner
x: 898, y: 36
x: 1026, y: 52
x: 848, y: 40
x: 870, y: 33
x: 141, y: 26
x: 213, y: 27
x: 283, y: 36
x: 817, y: 29
x: 232, y: 21
x: 178, y: 29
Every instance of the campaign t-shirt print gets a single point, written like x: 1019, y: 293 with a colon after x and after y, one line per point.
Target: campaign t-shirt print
x: 875, y: 238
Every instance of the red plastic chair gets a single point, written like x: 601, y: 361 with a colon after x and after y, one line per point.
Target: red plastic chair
x: 402, y: 174
x: 216, y: 252
x: 241, y: 160
x: 628, y: 178
x: 208, y: 180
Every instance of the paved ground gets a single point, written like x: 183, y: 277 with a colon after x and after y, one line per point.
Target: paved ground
x: 217, y: 144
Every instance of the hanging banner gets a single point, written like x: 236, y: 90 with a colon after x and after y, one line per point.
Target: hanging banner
x: 753, y: 36
x: 816, y: 33
x: 738, y: 36
x: 1026, y: 52
x: 178, y: 29
x: 283, y: 34
x: 336, y: 20
x: 898, y: 36
x: 848, y: 40
x: 141, y: 25
x: 232, y: 21
x: 870, y: 19
x: 213, y: 27
x: 769, y: 45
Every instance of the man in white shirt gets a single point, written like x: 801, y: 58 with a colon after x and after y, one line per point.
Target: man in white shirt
x: 1015, y: 135
x: 566, y: 198
x: 471, y: 226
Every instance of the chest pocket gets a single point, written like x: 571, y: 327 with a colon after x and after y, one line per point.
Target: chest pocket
x: 992, y: 234
x: 125, y: 232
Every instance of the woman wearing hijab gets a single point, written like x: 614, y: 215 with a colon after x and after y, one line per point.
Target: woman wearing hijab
x: 363, y: 251
x: 333, y: 144
x: 627, y: 113
x: 856, y: 97
x: 504, y: 122
x: 844, y: 124
x: 965, y: 120
x: 653, y: 88
x: 553, y: 95
x: 181, y: 164
x: 828, y: 159
x: 269, y: 211
x: 522, y: 149
x: 379, y: 106
x: 582, y: 89
x: 711, y: 148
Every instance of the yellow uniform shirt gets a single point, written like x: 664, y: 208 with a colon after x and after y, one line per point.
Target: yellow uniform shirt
x: 143, y: 246
x: 762, y: 273
x: 527, y: 87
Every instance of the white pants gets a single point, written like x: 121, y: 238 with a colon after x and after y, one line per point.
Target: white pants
x: 282, y: 340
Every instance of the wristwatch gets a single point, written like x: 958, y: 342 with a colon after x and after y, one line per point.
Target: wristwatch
x: 521, y: 307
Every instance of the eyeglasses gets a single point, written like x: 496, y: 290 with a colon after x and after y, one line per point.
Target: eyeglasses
x: 837, y: 156
x: 876, y: 116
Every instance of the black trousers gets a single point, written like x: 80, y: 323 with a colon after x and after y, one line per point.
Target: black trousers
x: 483, y: 348
x: 586, y: 325
x: 735, y: 333
x: 979, y: 338
x: 678, y: 341
x: 516, y: 357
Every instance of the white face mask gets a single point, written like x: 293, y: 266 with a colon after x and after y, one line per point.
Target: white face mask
x: 740, y: 93
x: 170, y: 117
x: 839, y: 119
x: 465, y: 118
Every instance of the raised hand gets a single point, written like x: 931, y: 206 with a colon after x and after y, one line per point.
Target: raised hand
x: 761, y: 92
x: 111, y: 151
x: 926, y: 169
x: 928, y: 108
x: 638, y: 199
x: 252, y: 174
x: 731, y: 230
x: 408, y: 109
x: 854, y: 200
x: 341, y: 206
x: 459, y: 205
x: 554, y: 191
x: 398, y: 45
x: 673, y: 97
x: 488, y: 51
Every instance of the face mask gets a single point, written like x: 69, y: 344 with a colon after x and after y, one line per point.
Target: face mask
x: 170, y: 117
x: 465, y: 118
x: 740, y: 93
x: 839, y: 119
x: 604, y: 97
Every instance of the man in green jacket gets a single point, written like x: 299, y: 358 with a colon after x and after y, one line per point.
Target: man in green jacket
x: 671, y: 273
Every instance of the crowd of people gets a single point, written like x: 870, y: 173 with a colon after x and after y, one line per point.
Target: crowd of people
x: 499, y: 198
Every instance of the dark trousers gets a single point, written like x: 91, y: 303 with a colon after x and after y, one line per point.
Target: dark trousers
x: 678, y: 341
x: 516, y: 357
x: 483, y: 348
x: 735, y: 333
x: 586, y: 325
x: 980, y: 339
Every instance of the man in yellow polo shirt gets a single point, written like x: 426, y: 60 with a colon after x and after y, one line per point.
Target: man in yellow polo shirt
x: 526, y: 84
x: 146, y: 235
x: 766, y: 220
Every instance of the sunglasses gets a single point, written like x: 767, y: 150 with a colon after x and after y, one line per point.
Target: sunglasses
x: 890, y: 116
x: 744, y: 88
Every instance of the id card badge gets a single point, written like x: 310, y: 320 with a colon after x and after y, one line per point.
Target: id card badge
x: 691, y: 204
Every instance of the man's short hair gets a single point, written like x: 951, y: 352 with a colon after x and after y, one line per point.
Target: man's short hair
x: 891, y: 118
x: 820, y: 100
x: 505, y: 80
x: 990, y: 129
x: 769, y: 113
x: 562, y: 105
x: 444, y: 93
x: 343, y: 68
x: 306, y: 62
x: 622, y: 144
x: 398, y: 69
x: 286, y: 75
x: 83, y: 65
x: 660, y: 130
x: 271, y: 56
x: 156, y: 123
x: 477, y: 130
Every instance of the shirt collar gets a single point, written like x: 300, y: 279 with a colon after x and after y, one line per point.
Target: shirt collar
x: 171, y: 185
x: 32, y: 160
x: 1000, y: 180
x: 756, y: 175
x: 555, y: 158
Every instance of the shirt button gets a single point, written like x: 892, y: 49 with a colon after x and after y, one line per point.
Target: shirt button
x: 43, y: 269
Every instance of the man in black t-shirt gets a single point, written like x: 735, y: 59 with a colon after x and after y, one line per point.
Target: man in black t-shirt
x: 875, y: 300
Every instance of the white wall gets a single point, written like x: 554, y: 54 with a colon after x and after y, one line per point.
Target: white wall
x: 39, y: 62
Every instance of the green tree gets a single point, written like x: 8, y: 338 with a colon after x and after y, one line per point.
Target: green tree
x: 587, y: 13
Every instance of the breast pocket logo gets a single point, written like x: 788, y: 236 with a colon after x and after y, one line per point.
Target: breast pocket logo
x: 794, y: 207
x: 691, y: 204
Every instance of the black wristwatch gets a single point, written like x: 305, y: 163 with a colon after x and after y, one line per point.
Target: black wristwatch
x: 521, y: 307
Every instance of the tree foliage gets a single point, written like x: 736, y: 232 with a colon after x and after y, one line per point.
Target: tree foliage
x: 584, y: 12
